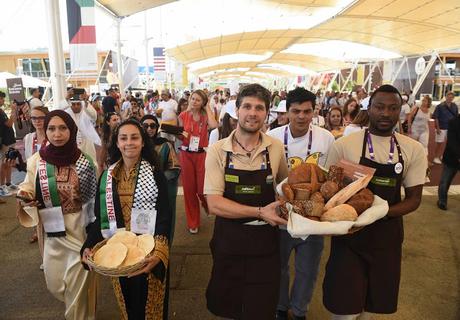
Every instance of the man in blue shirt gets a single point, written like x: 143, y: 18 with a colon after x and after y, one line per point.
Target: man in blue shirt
x: 442, y: 114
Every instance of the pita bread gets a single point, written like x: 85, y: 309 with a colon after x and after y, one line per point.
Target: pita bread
x: 111, y: 255
x: 125, y: 237
x: 146, y: 242
x: 135, y: 255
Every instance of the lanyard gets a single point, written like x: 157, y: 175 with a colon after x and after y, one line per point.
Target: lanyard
x: 310, y: 141
x: 34, y: 144
x: 371, y: 148
x: 201, y: 125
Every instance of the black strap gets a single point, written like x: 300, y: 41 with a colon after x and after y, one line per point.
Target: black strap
x: 450, y: 111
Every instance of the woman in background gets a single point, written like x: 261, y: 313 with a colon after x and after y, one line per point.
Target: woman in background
x: 350, y: 111
x: 111, y: 121
x: 197, y: 120
x: 335, y: 122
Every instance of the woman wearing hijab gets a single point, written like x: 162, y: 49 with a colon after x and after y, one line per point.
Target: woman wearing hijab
x: 61, y: 184
x: 168, y: 163
x: 136, y: 189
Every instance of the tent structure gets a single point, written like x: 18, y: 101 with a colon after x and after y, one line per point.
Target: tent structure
x: 27, y: 81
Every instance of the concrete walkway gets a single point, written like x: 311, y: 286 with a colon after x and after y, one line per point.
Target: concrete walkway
x: 430, y: 282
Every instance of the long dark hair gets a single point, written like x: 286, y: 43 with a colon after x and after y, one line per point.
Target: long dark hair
x: 147, y: 153
x: 226, y: 128
x: 106, y: 131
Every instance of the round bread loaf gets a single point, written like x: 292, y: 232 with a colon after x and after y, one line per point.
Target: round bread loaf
x: 125, y: 237
x: 362, y: 200
x: 328, y: 189
x: 317, y: 197
x: 342, y: 212
x: 301, y: 173
x: 301, y: 191
x: 335, y: 174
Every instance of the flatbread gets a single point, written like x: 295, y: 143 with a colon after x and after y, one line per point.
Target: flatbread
x: 111, y: 255
x: 135, y: 255
x: 146, y: 242
x: 125, y: 237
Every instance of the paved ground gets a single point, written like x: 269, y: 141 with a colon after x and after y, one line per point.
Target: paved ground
x: 429, y: 287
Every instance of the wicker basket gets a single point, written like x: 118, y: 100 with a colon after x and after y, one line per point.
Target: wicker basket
x: 114, y: 272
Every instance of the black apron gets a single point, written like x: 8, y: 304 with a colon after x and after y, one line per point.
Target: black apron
x: 245, y: 275
x: 364, y: 268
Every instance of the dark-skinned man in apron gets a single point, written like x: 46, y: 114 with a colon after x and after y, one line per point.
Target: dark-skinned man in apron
x: 364, y: 268
x: 241, y: 171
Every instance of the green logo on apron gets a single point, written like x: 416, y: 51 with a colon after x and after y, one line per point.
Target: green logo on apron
x: 232, y: 178
x: 248, y: 189
x: 384, y: 181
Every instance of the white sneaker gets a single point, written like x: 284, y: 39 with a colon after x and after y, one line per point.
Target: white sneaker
x: 427, y: 179
x: 193, y: 230
x: 42, y: 267
x: 12, y: 187
x: 4, y: 192
x: 437, y: 160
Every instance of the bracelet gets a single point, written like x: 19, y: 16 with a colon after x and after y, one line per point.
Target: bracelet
x: 260, y: 213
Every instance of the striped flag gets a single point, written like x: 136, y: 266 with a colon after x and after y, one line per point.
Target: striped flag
x: 82, y: 35
x: 159, y: 61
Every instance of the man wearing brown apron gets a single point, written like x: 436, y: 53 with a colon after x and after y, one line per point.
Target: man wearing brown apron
x: 239, y: 185
x: 364, y: 268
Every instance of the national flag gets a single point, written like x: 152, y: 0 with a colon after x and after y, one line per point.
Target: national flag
x: 82, y: 35
x: 159, y: 61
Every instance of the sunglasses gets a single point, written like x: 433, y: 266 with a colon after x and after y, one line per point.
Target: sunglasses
x: 37, y: 118
x: 151, y: 125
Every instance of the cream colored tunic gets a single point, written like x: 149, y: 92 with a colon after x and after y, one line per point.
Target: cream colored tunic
x: 65, y: 276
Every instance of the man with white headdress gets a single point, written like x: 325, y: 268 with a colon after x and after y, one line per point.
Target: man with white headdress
x: 84, y: 116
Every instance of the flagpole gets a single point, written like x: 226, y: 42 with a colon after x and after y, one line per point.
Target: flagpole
x: 119, y: 58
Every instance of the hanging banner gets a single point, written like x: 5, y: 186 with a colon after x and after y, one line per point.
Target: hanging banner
x: 82, y: 35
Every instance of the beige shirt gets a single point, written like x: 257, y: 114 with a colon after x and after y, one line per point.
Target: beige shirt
x: 216, y: 157
x: 415, y: 162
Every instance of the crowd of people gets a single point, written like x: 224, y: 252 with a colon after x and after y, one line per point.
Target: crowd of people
x: 130, y: 153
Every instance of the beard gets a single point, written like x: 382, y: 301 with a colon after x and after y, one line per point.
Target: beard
x: 249, y: 129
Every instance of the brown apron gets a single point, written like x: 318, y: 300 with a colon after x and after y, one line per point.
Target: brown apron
x: 245, y: 276
x: 364, y: 268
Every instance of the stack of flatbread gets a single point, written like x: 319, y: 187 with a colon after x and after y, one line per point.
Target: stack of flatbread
x: 124, y: 249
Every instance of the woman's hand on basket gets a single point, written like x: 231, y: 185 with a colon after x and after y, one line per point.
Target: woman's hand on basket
x: 151, y: 263
x: 84, y: 257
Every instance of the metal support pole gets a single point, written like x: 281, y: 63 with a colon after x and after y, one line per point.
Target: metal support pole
x: 146, y: 42
x: 369, y: 76
x: 56, y: 53
x: 398, y: 71
x: 119, y: 58
x: 329, y: 86
x: 353, y: 68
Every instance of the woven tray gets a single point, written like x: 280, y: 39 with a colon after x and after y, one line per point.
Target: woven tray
x: 114, y: 272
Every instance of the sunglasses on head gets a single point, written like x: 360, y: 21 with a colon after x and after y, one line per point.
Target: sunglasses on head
x: 149, y: 125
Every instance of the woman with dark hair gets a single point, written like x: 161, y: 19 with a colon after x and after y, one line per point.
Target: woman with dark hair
x: 135, y: 187
x: 350, y: 111
x: 361, y: 121
x: 61, y: 186
x: 229, y: 122
x: 197, y: 120
x: 111, y: 121
x: 168, y: 163
x: 182, y: 105
x: 135, y: 110
x: 335, y: 122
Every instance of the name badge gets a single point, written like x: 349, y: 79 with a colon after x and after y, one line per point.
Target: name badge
x: 143, y: 221
x: 232, y: 178
x: 269, y: 179
x: 194, y: 143
x: 398, y: 167
x: 256, y: 189
x: 384, y: 181
x: 52, y: 219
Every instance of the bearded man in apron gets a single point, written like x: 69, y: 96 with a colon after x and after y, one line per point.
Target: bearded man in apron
x: 239, y: 184
x: 364, y: 268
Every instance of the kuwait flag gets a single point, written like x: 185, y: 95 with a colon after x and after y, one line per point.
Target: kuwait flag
x: 82, y: 35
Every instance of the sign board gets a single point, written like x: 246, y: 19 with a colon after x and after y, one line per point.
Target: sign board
x: 420, y: 65
x: 15, y: 90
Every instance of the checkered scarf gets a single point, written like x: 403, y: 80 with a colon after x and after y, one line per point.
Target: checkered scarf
x: 87, y: 177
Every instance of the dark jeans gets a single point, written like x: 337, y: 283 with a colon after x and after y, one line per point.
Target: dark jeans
x: 448, y: 174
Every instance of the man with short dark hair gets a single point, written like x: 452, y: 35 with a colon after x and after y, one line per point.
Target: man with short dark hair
x: 239, y: 185
x: 110, y: 103
x: 450, y: 161
x: 442, y: 114
x: 303, y: 142
x: 364, y: 268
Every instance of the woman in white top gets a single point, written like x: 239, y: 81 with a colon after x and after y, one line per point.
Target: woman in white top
x: 360, y: 122
x: 418, y: 122
x: 34, y: 140
x: 32, y: 143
